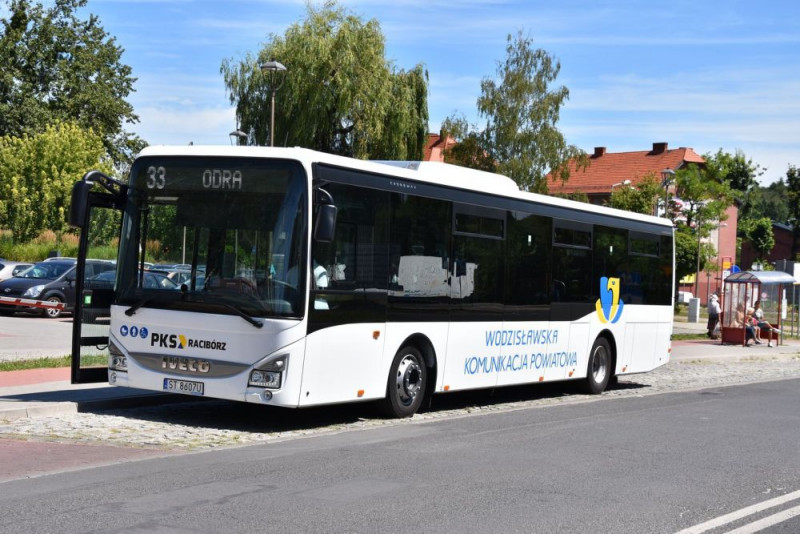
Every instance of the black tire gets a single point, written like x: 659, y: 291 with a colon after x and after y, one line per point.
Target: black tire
x: 599, y: 369
x: 52, y: 313
x: 405, y: 389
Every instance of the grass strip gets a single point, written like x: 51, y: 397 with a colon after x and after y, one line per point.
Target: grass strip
x: 51, y: 362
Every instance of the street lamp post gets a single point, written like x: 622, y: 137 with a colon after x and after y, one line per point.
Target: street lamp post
x: 667, y: 175
x: 277, y: 74
x: 237, y: 136
x: 697, y: 273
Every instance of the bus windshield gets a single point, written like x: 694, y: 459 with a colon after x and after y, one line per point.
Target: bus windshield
x: 230, y: 232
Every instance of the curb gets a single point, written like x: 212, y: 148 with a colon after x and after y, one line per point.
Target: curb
x: 47, y: 409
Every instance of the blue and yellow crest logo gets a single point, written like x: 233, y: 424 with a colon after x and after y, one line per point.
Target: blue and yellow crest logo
x: 609, y: 306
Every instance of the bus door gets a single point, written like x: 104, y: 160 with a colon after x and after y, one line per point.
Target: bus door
x: 98, y: 214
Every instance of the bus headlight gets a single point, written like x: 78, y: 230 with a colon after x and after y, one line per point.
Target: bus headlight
x: 265, y: 379
x: 270, y: 373
x: 116, y: 359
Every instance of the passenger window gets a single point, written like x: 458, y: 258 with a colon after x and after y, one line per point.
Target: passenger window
x: 357, y: 258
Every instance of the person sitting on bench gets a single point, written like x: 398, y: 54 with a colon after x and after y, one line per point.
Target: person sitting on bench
x: 761, y: 324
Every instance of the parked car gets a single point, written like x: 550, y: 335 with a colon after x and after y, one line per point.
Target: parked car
x: 105, y: 280
x: 52, y: 281
x: 9, y: 269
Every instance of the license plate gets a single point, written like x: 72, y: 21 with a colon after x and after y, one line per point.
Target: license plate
x: 183, y: 386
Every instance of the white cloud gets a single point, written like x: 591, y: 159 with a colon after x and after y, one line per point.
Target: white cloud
x: 163, y: 125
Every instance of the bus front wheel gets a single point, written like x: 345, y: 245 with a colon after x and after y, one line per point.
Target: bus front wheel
x: 406, y: 385
x: 599, y: 370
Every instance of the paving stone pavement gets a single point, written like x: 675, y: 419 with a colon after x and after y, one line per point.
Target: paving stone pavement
x: 204, y: 425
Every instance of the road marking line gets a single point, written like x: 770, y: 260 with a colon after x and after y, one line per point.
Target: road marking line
x: 739, y: 514
x: 761, y: 524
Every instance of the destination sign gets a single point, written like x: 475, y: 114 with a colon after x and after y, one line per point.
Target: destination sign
x: 158, y: 176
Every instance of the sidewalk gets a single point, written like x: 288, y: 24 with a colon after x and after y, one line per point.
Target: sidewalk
x: 43, y: 392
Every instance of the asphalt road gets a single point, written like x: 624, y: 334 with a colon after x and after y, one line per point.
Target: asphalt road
x: 25, y: 336
x: 657, y: 463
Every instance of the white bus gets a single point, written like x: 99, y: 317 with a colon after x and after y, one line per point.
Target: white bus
x: 314, y: 279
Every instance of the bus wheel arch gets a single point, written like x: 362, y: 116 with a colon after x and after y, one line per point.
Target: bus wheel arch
x: 411, y: 378
x: 601, y: 364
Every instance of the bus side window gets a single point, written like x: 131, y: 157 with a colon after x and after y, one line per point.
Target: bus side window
x: 357, y: 258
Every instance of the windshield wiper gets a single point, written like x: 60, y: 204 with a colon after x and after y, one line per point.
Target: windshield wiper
x: 130, y: 311
x: 243, y: 315
x: 186, y: 297
x: 145, y: 301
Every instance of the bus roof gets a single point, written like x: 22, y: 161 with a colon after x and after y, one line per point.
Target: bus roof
x: 425, y: 171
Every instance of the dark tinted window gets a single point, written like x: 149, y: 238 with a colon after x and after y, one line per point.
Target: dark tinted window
x: 420, y: 247
x: 529, y: 253
x: 610, y: 256
x: 572, y: 234
x: 650, y: 264
x: 358, y: 256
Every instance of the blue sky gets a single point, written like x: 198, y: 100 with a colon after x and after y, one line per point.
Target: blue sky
x: 707, y: 75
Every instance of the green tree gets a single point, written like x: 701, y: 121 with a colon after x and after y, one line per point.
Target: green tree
x: 640, y: 199
x: 37, y: 173
x: 759, y: 233
x: 521, y: 112
x: 704, y: 198
x: 685, y: 252
x: 340, y: 94
x: 704, y: 195
x: 771, y: 202
x: 793, y: 195
x: 59, y: 67
x: 468, y: 150
x: 740, y: 172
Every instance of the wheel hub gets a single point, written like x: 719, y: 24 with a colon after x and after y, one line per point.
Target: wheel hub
x: 599, y: 365
x: 409, y: 379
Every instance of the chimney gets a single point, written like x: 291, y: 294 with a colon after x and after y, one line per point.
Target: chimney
x: 659, y: 148
x: 599, y: 151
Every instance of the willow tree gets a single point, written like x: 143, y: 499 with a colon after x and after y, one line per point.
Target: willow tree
x: 339, y: 93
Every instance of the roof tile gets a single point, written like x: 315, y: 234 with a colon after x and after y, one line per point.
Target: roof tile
x: 606, y: 169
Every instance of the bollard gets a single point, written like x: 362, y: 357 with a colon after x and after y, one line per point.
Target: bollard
x: 694, y: 310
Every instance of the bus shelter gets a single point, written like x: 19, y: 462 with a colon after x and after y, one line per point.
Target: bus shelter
x: 742, y: 291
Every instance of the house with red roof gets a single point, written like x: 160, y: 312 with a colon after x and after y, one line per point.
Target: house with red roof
x: 435, y: 147
x: 607, y: 170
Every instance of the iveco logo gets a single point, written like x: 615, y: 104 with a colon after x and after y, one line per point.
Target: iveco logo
x: 191, y: 365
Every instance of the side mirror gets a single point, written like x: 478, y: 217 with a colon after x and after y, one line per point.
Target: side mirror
x: 325, y: 225
x: 79, y: 203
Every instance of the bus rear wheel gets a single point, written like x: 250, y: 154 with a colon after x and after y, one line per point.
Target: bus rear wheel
x: 599, y: 369
x: 405, y: 389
